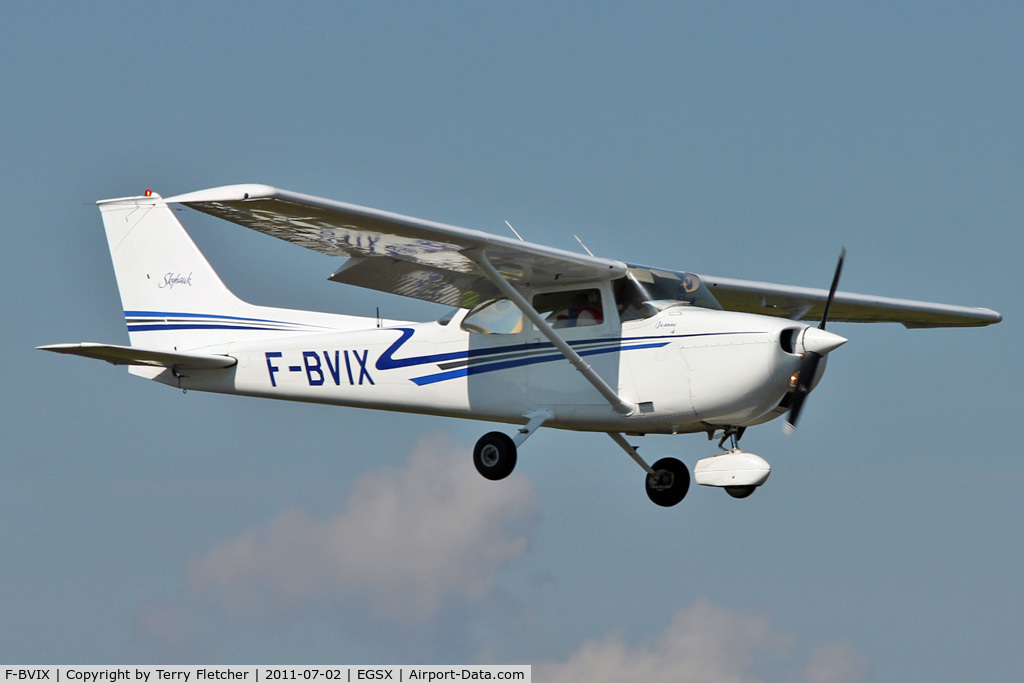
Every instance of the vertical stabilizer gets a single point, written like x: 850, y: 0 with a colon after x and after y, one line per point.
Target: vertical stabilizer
x: 172, y: 297
x: 160, y: 272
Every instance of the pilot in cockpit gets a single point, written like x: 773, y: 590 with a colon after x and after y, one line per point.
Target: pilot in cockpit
x: 629, y: 301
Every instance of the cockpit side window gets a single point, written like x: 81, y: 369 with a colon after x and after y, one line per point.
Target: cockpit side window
x: 571, y: 308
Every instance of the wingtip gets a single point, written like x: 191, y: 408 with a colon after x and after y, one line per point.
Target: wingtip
x: 61, y: 348
x: 226, y: 193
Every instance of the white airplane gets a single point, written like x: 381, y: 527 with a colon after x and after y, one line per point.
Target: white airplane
x: 536, y: 336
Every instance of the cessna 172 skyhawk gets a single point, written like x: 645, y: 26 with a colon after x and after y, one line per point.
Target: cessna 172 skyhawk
x: 537, y: 336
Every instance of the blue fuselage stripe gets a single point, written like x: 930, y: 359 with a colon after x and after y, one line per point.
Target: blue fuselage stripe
x: 148, y: 321
x: 166, y: 314
x: 196, y: 326
x: 522, y: 362
x: 387, y: 361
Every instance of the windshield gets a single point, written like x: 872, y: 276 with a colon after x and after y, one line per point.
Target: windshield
x: 497, y: 316
x: 644, y: 292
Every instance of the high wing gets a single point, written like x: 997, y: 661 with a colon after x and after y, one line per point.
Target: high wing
x: 435, y: 262
x: 398, y: 254
x: 803, y: 303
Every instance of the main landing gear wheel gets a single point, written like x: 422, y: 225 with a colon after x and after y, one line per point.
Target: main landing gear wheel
x: 495, y: 455
x: 669, y: 483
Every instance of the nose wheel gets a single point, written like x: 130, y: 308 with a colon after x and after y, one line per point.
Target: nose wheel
x: 739, y: 491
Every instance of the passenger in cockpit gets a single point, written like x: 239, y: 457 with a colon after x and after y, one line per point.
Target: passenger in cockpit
x: 585, y: 309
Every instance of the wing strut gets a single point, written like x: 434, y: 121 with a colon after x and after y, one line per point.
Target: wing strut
x: 619, y: 404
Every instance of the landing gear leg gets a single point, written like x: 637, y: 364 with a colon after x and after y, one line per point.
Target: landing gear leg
x: 733, y: 436
x: 667, y: 481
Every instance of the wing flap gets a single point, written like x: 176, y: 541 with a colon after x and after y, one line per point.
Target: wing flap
x: 405, y: 278
x: 129, y: 355
x: 804, y: 303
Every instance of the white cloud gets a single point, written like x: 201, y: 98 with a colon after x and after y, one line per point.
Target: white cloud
x: 416, y: 555
x: 168, y: 629
x: 411, y: 543
x: 702, y: 643
x: 838, y: 663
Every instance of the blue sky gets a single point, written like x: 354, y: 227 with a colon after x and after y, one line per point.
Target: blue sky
x: 751, y: 141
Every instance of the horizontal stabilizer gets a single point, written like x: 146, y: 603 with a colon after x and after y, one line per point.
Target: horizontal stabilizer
x: 128, y: 355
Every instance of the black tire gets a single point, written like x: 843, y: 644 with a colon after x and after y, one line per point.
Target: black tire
x: 495, y: 456
x: 680, y: 478
x: 739, y: 491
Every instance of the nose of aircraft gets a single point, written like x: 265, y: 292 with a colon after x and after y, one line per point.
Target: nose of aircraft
x: 820, y: 341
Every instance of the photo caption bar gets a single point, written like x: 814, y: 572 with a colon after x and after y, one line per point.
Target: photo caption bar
x: 264, y: 673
